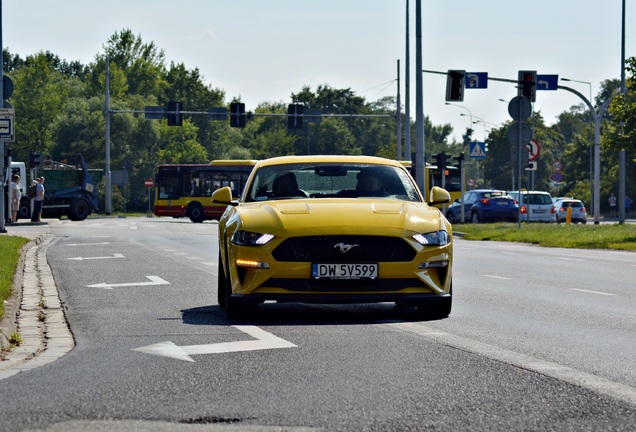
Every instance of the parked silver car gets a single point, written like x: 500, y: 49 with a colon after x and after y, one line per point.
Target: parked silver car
x: 579, y: 213
x: 534, y: 206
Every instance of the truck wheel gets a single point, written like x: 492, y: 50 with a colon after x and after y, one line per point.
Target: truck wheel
x: 24, y: 211
x: 79, y: 210
x: 195, y: 212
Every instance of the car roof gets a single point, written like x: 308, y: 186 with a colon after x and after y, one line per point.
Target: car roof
x: 372, y: 160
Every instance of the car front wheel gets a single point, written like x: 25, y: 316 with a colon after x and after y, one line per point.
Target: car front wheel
x: 474, y: 217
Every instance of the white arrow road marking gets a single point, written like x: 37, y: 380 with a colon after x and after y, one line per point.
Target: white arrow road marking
x: 93, y: 258
x: 264, y: 340
x: 154, y: 280
x: 87, y: 244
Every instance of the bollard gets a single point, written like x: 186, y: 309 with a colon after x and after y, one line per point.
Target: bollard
x: 568, y: 216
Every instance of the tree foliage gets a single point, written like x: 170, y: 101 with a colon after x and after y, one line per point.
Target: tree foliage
x: 60, y: 106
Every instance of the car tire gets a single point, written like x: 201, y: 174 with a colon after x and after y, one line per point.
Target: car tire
x: 438, y: 310
x: 450, y: 216
x: 474, y: 217
x: 221, y: 284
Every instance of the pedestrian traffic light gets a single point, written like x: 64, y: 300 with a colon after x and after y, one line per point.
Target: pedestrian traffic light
x: 455, y: 83
x: 35, y: 159
x: 295, y: 116
x: 175, y: 118
x: 237, y: 114
x: 528, y: 85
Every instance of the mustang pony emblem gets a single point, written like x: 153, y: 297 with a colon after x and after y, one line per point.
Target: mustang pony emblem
x: 344, y: 248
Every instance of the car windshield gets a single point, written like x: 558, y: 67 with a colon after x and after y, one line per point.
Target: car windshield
x: 331, y: 180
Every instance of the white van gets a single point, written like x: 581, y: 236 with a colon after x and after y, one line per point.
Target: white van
x: 535, y: 206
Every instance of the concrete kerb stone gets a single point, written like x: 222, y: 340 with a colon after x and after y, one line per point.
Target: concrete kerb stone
x: 35, y: 313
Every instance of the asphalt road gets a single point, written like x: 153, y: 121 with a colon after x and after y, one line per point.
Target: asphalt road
x: 539, y: 339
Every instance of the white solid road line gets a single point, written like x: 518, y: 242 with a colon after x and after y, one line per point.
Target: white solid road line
x: 564, y: 373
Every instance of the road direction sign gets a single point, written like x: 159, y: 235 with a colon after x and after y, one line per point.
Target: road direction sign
x: 263, y: 340
x: 153, y: 280
x: 476, y: 80
x: 547, y: 82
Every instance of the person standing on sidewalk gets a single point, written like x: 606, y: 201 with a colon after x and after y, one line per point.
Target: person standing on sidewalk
x: 38, y: 200
x: 628, y: 206
x: 16, y: 195
x: 612, y: 205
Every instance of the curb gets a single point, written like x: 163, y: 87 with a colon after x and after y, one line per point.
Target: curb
x: 35, y: 312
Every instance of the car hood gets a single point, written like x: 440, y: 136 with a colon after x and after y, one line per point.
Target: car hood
x: 337, y: 216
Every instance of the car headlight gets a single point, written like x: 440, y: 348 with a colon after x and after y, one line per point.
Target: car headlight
x: 248, y: 238
x: 438, y: 238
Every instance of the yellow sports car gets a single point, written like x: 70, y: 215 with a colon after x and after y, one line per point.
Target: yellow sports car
x: 334, y: 229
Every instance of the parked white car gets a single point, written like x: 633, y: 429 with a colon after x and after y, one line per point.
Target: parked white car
x: 579, y: 213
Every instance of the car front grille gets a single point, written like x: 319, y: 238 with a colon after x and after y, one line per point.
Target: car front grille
x: 344, y: 249
x: 344, y: 285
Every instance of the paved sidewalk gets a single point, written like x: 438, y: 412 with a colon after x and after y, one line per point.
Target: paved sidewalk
x: 35, y: 313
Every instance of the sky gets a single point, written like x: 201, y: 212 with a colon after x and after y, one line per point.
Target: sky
x: 265, y: 50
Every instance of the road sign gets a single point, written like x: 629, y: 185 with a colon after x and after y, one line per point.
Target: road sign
x: 153, y: 112
x: 477, y: 150
x: 217, y: 114
x: 534, y: 149
x: 520, y: 108
x: 7, y: 124
x: 557, y: 166
x: 513, y: 133
x: 262, y: 341
x: 557, y: 177
x: 547, y: 82
x: 148, y: 183
x: 476, y: 80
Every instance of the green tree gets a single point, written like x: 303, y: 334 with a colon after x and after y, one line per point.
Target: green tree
x: 37, y: 103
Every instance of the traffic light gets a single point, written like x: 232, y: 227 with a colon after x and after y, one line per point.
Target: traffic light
x: 173, y: 109
x: 440, y: 159
x: 237, y: 114
x: 528, y: 85
x: 295, y: 116
x: 35, y: 159
x: 455, y: 83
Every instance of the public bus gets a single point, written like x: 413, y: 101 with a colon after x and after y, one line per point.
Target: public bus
x: 185, y: 190
x: 433, y: 176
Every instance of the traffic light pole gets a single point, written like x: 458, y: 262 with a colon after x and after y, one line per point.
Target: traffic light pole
x: 596, y: 119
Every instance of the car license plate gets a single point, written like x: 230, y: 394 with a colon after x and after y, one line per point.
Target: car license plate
x: 344, y: 271
x: 502, y: 203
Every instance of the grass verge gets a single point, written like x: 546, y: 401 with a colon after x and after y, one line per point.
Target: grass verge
x: 10, y: 247
x: 589, y: 236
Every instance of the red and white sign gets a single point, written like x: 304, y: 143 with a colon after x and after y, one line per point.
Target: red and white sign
x: 534, y: 149
x: 149, y: 183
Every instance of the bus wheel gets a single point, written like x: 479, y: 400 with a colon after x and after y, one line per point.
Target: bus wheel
x: 195, y: 212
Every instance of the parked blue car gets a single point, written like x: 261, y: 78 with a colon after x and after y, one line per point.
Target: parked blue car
x: 484, y: 205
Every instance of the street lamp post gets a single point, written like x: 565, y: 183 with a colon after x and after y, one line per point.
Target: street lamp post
x: 591, y: 143
x: 466, y: 108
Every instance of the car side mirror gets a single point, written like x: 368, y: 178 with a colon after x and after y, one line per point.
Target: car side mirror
x: 439, y: 196
x: 223, y: 196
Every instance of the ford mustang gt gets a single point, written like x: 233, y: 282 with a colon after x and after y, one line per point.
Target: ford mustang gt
x: 334, y: 229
